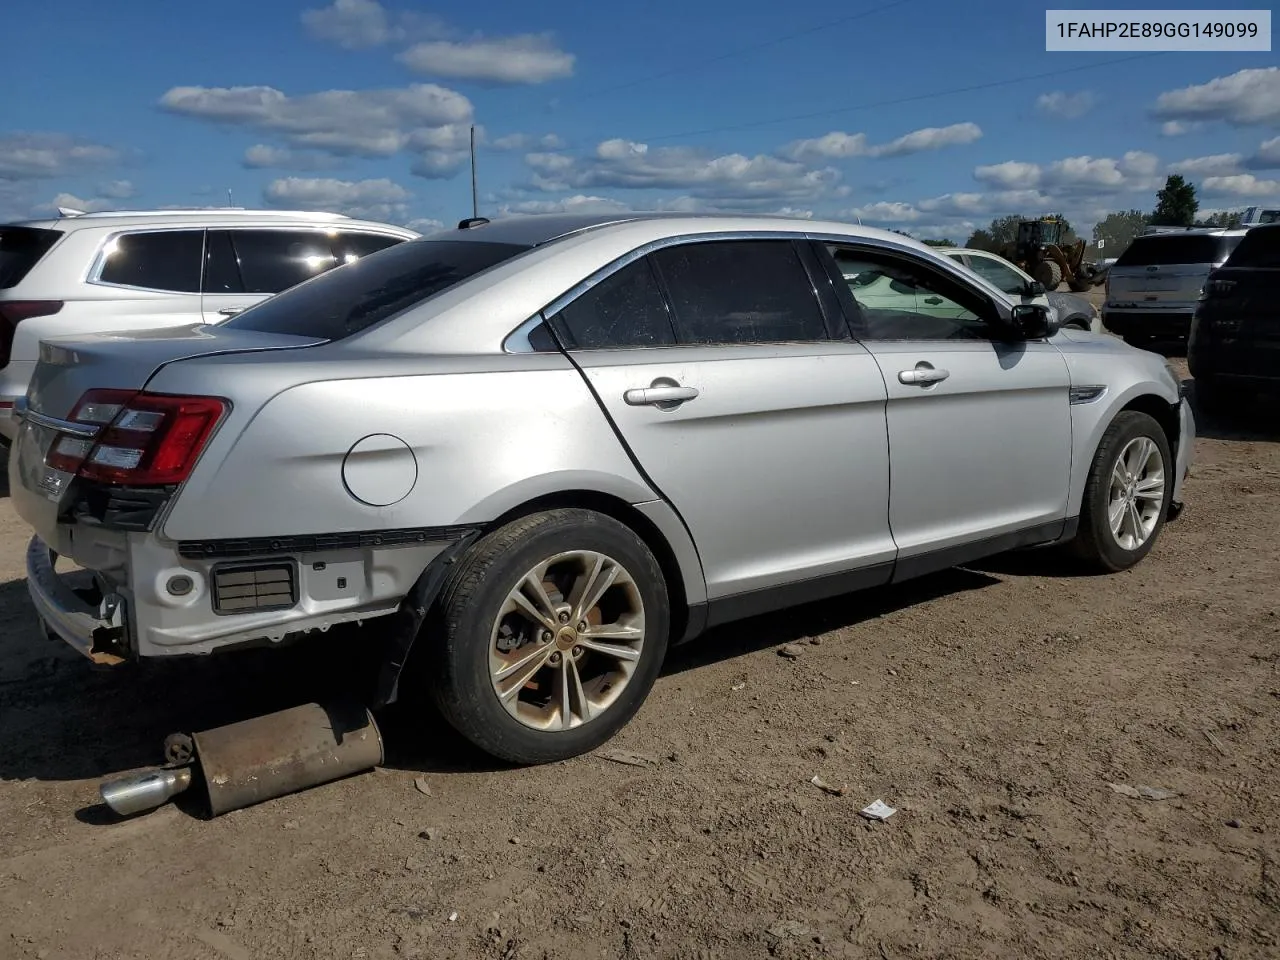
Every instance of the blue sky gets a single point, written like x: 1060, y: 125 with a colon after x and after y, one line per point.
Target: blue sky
x: 364, y: 107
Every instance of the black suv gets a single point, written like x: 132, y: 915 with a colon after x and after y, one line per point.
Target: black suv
x: 1234, y: 347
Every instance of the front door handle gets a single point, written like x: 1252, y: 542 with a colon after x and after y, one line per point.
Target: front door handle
x: 933, y: 301
x: 924, y: 374
x: 230, y: 311
x: 659, y: 396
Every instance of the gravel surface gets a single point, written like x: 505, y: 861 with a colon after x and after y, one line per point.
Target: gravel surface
x: 1012, y: 712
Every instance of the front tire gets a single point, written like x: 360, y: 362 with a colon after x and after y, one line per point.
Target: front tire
x: 551, y: 634
x: 1126, y: 497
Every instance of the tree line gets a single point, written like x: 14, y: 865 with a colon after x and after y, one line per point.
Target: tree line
x: 1176, y: 206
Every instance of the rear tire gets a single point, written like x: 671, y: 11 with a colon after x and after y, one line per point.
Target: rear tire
x: 1127, y: 494
x: 523, y: 664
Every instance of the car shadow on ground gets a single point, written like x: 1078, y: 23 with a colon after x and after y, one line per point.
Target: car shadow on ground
x: 65, y: 720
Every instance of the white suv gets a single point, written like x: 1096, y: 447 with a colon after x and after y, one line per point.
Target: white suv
x: 110, y: 272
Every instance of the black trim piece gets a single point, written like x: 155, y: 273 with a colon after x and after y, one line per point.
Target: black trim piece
x: 1045, y: 533
x: 317, y: 542
x: 238, y: 588
x: 406, y: 623
x: 755, y: 602
x: 1175, y: 510
x: 118, y: 508
x: 832, y: 311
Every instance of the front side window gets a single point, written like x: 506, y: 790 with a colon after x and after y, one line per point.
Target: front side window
x: 275, y: 260
x: 899, y: 298
x: 354, y: 297
x: 166, y: 260
x: 626, y: 309
x: 740, y: 291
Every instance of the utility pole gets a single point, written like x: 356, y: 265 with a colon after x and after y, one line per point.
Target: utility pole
x: 475, y: 202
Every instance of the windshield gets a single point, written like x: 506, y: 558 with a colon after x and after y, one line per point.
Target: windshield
x: 354, y: 297
x: 21, y: 249
x: 1172, y: 249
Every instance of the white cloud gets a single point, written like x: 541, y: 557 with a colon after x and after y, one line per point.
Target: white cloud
x: 262, y: 156
x: 527, y: 58
x: 354, y: 24
x: 1268, y: 155
x: 116, y: 189
x: 424, y: 224
x: 1217, y: 165
x: 368, y: 123
x: 760, y: 180
x: 1242, y: 98
x: 1065, y: 106
x: 886, y: 211
x: 380, y: 199
x: 72, y: 202
x: 32, y: 156
x: 578, y: 203
x: 1136, y: 170
x: 839, y: 146
x: 528, y: 141
x: 1176, y: 128
x: 1241, y: 185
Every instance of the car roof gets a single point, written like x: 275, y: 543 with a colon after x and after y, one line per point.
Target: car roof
x: 536, y: 229
x: 200, y: 216
x: 1158, y: 233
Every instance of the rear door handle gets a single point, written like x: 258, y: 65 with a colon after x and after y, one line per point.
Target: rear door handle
x: 659, y: 396
x: 230, y: 311
x: 923, y: 375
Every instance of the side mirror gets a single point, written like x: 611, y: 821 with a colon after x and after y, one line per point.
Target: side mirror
x: 1033, y: 288
x: 1031, y: 321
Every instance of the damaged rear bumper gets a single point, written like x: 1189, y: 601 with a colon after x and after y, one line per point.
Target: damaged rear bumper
x: 96, y: 632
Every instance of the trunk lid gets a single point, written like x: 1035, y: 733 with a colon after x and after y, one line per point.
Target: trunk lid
x: 71, y: 366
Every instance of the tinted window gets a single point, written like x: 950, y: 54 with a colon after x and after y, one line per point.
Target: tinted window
x: 349, y: 299
x: 21, y: 249
x: 740, y: 291
x: 164, y: 260
x: 625, y: 309
x: 353, y: 246
x: 221, y: 270
x: 901, y: 299
x: 275, y: 260
x: 1259, y: 248
x: 1171, y: 249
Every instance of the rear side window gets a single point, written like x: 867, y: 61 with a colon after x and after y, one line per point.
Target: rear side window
x: 21, y: 249
x: 356, y: 296
x: 1176, y: 249
x: 163, y: 260
x: 740, y: 291
x: 275, y: 260
x: 626, y: 309
x: 1259, y: 248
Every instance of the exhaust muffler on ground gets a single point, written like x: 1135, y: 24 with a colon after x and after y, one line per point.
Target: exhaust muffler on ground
x: 259, y: 759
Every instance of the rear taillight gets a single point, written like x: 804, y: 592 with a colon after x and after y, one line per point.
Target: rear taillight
x: 1218, y: 290
x: 147, y: 439
x: 13, y: 312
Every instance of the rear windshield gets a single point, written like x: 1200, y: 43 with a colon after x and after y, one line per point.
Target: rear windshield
x: 1159, y: 250
x: 353, y: 297
x: 1259, y: 248
x: 21, y: 249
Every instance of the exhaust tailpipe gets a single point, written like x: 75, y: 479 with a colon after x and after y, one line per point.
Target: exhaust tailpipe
x: 260, y: 759
x: 131, y: 795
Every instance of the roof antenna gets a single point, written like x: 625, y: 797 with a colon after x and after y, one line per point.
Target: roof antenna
x: 475, y: 203
x: 229, y: 203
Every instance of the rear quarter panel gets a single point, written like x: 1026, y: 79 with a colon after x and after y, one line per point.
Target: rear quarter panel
x: 489, y: 434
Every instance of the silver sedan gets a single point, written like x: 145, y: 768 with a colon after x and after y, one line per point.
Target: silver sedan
x: 533, y: 454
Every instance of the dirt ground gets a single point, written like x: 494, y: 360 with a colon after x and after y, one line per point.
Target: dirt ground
x: 993, y: 706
